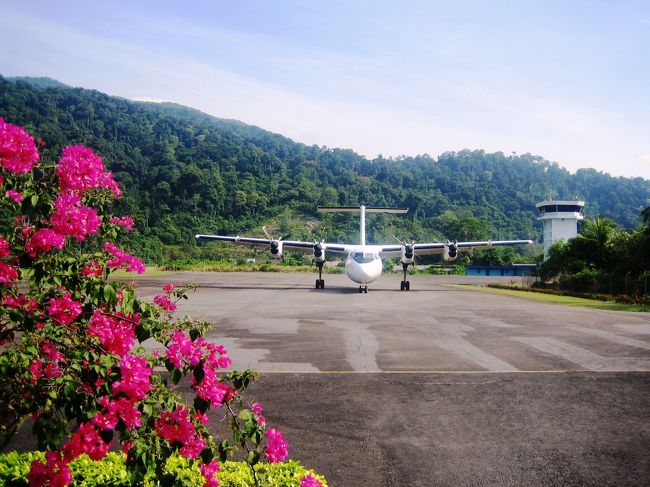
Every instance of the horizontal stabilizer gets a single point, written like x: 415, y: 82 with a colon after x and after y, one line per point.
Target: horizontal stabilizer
x: 357, y: 209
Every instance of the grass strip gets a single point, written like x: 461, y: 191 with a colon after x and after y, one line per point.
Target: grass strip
x: 550, y: 298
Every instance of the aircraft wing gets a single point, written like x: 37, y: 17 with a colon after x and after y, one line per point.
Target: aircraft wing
x: 331, y: 249
x: 292, y: 245
x: 439, y: 247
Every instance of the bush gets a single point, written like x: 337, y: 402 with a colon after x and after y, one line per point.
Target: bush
x: 71, y: 354
x: 111, y: 471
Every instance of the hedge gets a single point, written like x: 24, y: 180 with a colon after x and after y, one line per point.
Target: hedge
x: 617, y: 298
x: 111, y: 472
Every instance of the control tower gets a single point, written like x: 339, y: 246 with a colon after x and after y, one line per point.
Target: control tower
x: 560, y: 218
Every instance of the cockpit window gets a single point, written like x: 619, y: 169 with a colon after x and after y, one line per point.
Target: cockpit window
x: 362, y: 258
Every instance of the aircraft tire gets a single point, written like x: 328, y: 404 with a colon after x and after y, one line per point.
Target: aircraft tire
x: 365, y: 289
x: 360, y: 289
x: 317, y: 283
x: 407, y: 286
x: 401, y: 286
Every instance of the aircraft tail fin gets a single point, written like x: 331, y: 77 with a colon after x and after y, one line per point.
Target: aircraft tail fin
x: 363, y: 210
x: 355, y: 209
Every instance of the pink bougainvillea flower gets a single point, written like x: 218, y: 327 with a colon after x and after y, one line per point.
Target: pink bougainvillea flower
x: 116, y: 335
x: 8, y: 273
x: 5, y: 249
x: 123, y: 260
x: 181, y: 350
x: 310, y: 481
x: 92, y: 268
x: 54, y: 473
x: 134, y: 383
x: 14, y: 195
x: 175, y: 426
x: 80, y: 170
x: 18, y: 153
x: 168, y: 288
x: 164, y: 302
x: 85, y: 440
x: 209, y: 470
x: 52, y: 370
x: 21, y: 301
x: 193, y: 447
x: 276, y: 446
x: 64, y: 309
x: 122, y: 408
x: 211, y: 388
x: 256, y: 407
x: 44, y: 240
x: 125, y: 222
x: 35, y: 369
x: 72, y: 219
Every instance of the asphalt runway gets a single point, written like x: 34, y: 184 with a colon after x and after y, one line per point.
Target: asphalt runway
x: 439, y: 385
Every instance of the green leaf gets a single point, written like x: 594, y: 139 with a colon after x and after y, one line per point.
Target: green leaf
x: 253, y: 458
x: 245, y: 415
x: 199, y: 373
x: 176, y: 376
x: 201, y: 405
x: 110, y: 296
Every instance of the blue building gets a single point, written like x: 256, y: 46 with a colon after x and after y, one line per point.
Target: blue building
x: 500, y: 270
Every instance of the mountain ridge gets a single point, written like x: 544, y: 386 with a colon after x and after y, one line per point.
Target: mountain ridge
x: 186, y: 172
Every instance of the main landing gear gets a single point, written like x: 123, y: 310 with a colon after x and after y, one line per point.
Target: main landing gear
x: 405, y: 285
x: 363, y: 289
x: 320, y: 282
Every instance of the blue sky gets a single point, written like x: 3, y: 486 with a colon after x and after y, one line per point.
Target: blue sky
x: 567, y: 80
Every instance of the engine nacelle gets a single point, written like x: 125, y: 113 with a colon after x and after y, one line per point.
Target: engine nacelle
x: 408, y: 254
x: 275, y: 248
x: 319, y: 253
x: 450, y: 252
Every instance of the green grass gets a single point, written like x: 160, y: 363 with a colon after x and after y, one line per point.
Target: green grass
x: 565, y: 300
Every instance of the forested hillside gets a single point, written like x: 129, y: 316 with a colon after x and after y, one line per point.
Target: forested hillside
x: 185, y: 172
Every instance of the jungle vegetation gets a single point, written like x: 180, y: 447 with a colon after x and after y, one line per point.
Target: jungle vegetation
x: 186, y: 172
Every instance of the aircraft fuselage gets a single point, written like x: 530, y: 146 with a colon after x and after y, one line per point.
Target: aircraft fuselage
x: 363, y: 266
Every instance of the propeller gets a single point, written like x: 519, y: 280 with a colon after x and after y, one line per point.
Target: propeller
x: 409, y: 248
x: 318, y: 249
x: 453, y: 248
x: 274, y: 245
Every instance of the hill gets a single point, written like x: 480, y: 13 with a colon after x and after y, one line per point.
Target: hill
x: 186, y: 172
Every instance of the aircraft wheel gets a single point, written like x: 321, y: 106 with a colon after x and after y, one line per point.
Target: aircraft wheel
x: 360, y: 289
x: 318, y: 284
x: 365, y: 289
x: 402, y: 286
x: 407, y: 286
x: 322, y: 283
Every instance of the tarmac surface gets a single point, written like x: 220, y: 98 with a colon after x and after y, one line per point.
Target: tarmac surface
x: 440, y: 385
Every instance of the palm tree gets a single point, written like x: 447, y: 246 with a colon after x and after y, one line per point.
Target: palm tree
x: 594, y: 242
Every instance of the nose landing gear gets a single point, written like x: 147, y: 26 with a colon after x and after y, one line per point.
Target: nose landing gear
x: 405, y: 285
x: 320, y: 282
x: 363, y: 289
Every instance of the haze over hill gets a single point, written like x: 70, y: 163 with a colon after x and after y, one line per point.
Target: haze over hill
x: 186, y: 172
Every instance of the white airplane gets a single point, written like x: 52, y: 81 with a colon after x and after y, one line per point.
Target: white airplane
x: 363, y: 263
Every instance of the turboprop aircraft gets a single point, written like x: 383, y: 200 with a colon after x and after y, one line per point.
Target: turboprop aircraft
x: 363, y: 262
